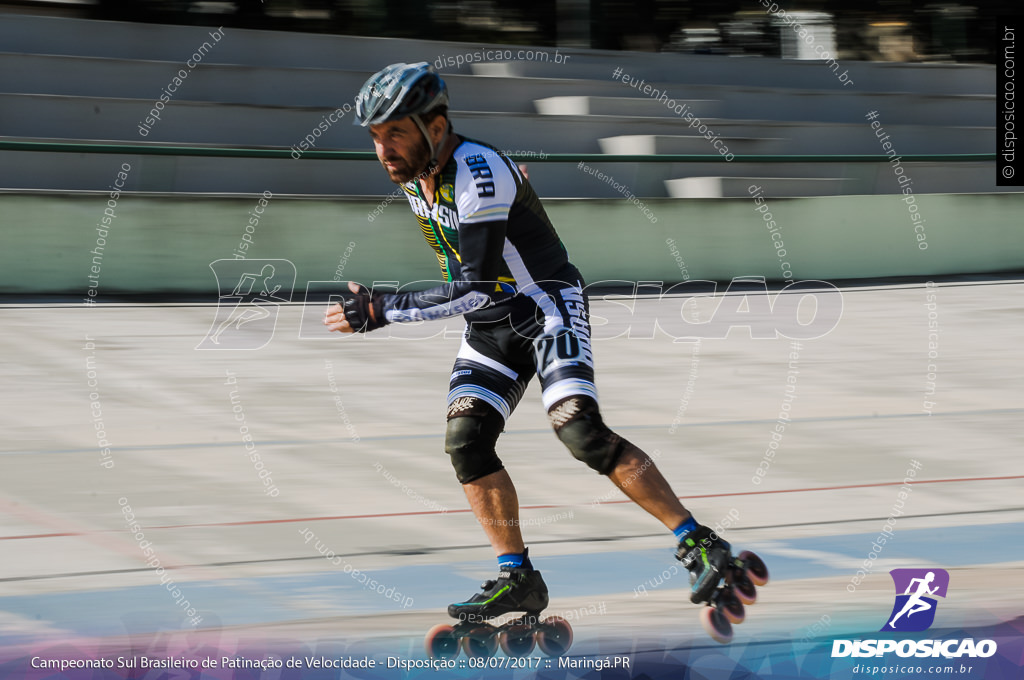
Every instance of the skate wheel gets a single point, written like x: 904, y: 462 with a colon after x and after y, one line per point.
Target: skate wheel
x: 441, y: 642
x: 744, y: 588
x: 517, y: 640
x: 555, y: 636
x: 731, y: 607
x: 480, y: 641
x: 756, y: 569
x: 716, y: 625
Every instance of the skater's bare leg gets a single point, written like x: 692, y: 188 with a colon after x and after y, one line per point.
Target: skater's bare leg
x: 496, y: 506
x: 637, y: 476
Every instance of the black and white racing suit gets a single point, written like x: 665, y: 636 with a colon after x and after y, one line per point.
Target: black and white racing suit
x: 507, y: 271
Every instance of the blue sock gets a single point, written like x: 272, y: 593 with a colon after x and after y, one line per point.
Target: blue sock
x: 514, y: 560
x: 685, y: 528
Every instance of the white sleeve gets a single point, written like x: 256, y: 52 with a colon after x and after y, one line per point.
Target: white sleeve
x: 485, y: 188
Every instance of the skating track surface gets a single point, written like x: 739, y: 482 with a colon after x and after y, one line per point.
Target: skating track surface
x: 350, y: 431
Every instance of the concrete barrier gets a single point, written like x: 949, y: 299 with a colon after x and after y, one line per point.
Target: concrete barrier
x: 185, y: 122
x: 627, y: 104
x: 725, y: 187
x: 25, y: 170
x: 697, y: 69
x: 692, y: 143
x: 331, y: 87
x: 158, y: 244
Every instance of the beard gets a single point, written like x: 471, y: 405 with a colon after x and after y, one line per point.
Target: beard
x: 408, y: 168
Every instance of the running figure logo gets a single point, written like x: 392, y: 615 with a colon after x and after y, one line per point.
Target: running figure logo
x: 249, y: 295
x: 914, y: 610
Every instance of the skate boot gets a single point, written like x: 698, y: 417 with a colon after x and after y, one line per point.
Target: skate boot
x: 706, y: 556
x: 516, y: 589
x: 726, y: 583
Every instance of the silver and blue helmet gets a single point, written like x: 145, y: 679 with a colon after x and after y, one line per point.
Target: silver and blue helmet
x: 399, y: 91
x: 404, y: 91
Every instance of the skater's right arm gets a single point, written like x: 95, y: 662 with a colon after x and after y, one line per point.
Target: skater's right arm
x: 480, y: 252
x: 480, y: 255
x: 360, y: 311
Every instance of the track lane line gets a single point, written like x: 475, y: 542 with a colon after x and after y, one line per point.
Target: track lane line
x: 290, y: 520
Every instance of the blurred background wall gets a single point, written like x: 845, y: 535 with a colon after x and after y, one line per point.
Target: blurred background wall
x: 870, y: 30
x: 621, y: 171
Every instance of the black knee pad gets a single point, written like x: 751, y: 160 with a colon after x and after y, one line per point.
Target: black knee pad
x: 578, y: 424
x: 473, y: 429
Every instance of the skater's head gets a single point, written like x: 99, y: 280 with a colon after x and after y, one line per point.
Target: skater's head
x: 405, y: 106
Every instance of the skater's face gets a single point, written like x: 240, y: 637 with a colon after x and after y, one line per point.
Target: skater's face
x: 401, y: 149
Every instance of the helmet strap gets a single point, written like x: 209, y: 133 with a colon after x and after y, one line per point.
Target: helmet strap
x: 434, y: 150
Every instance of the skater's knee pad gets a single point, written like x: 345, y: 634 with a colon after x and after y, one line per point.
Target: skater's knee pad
x: 473, y: 429
x: 578, y: 424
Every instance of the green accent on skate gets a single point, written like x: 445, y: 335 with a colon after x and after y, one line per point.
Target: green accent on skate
x: 488, y: 601
x: 703, y: 551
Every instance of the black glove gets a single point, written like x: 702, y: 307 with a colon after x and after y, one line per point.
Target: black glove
x: 357, y: 308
